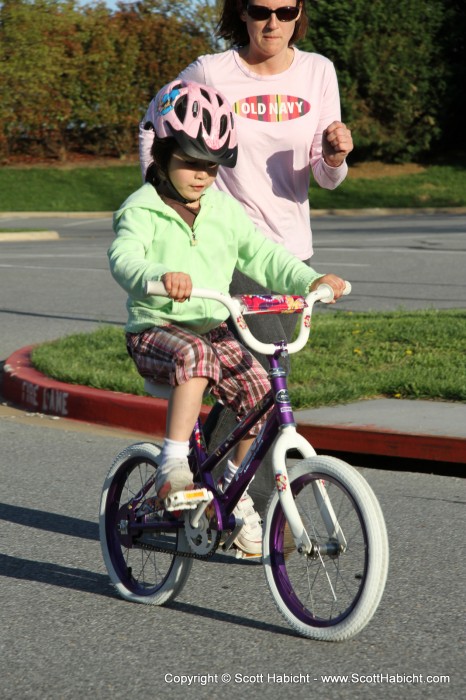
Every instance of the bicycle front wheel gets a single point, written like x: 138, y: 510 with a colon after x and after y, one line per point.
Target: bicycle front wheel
x: 140, y: 571
x: 331, y: 593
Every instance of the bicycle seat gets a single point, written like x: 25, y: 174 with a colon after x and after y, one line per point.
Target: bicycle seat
x: 159, y: 391
x: 162, y: 391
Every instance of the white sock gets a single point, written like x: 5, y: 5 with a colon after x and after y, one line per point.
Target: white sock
x: 172, y: 449
x: 230, y: 471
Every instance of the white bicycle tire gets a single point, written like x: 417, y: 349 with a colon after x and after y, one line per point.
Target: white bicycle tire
x: 377, y: 551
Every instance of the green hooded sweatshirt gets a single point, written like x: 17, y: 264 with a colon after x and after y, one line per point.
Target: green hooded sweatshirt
x: 152, y: 239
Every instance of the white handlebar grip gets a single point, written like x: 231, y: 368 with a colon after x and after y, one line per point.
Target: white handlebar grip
x: 155, y: 288
x: 327, y: 292
x: 347, y: 289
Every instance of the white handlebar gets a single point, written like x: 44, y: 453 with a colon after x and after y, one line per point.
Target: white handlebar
x: 323, y: 293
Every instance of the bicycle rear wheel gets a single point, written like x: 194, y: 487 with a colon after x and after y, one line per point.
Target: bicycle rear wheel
x: 139, y: 572
x: 331, y: 594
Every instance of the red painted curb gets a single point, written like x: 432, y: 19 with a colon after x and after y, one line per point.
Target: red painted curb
x: 26, y: 387
x: 368, y: 440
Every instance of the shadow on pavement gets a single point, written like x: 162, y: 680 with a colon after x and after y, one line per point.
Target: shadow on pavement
x: 56, y: 575
x: 51, y: 522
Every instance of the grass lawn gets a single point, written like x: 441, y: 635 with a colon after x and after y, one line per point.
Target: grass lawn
x: 434, y: 186
x: 105, y: 188
x: 350, y: 356
x: 64, y: 190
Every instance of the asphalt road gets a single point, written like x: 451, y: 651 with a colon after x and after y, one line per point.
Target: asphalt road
x: 66, y: 635
x: 413, y: 262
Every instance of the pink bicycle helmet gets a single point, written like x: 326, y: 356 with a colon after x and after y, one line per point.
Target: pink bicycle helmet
x: 200, y: 119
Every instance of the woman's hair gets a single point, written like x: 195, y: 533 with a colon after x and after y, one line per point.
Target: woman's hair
x: 161, y: 152
x: 232, y: 28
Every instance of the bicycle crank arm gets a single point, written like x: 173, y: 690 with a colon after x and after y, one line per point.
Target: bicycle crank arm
x: 228, y: 545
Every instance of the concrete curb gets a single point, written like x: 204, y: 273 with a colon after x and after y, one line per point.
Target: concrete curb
x: 55, y: 214
x: 374, y: 211
x: 27, y: 388
x: 385, y: 211
x: 11, y: 236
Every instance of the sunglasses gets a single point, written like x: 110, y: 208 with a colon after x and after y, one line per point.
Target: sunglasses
x: 259, y: 13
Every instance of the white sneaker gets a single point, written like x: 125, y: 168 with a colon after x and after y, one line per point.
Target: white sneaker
x: 173, y: 475
x: 249, y: 539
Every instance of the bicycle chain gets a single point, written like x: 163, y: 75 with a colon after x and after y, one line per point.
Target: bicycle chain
x: 187, y: 555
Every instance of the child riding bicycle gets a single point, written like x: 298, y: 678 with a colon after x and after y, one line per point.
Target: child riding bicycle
x: 177, y: 230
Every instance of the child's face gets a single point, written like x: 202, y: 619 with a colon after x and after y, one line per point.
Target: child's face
x: 189, y: 176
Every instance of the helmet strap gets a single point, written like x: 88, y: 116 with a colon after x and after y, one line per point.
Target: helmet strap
x: 167, y: 188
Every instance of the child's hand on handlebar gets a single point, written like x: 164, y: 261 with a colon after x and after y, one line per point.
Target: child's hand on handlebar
x: 336, y: 283
x: 178, y: 285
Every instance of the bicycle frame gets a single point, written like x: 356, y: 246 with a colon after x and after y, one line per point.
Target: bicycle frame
x: 278, y: 433
x: 280, y: 424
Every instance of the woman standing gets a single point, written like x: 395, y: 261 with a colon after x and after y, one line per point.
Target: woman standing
x: 287, y: 108
x: 287, y: 115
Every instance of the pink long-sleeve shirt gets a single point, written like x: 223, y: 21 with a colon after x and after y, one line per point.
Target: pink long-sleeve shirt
x: 280, y: 121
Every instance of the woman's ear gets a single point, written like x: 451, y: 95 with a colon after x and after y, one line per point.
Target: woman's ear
x: 242, y: 11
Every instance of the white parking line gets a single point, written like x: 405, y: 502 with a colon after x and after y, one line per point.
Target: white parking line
x: 54, y: 267
x: 83, y: 222
x: 20, y: 256
x: 342, y: 264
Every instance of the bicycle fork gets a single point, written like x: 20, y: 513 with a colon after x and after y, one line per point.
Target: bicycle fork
x: 289, y: 439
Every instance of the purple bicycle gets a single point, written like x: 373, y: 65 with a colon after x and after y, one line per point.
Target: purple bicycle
x: 324, y: 549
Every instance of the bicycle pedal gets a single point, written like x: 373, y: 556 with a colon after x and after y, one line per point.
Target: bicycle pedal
x: 187, y: 500
x: 239, y: 554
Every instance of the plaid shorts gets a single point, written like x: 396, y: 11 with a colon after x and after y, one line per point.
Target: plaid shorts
x: 173, y: 355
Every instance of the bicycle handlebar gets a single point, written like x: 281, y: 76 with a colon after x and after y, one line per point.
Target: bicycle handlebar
x: 323, y: 293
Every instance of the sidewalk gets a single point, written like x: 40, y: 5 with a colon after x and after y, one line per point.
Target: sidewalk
x: 424, y: 430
